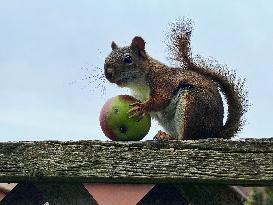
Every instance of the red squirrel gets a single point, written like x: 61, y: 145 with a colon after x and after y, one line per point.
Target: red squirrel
x: 185, y: 100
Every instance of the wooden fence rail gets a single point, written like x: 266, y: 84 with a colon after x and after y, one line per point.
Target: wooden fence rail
x: 204, y: 162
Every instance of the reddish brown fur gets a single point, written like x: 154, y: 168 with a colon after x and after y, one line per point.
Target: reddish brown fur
x: 234, y: 91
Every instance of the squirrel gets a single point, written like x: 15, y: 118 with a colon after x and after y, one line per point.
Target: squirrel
x: 185, y: 100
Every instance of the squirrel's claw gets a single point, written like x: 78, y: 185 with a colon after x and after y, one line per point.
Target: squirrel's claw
x: 136, y: 104
x: 162, y: 136
x: 137, y: 111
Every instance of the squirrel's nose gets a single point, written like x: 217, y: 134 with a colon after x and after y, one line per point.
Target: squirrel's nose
x: 108, y: 73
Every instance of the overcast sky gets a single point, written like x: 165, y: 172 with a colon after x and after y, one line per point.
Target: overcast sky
x: 45, y: 44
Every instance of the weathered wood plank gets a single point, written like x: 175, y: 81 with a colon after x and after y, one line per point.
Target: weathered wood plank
x: 244, y: 162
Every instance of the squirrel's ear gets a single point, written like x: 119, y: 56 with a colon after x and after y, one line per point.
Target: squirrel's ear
x: 139, y: 44
x: 114, y: 45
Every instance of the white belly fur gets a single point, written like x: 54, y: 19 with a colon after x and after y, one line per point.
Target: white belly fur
x: 140, y: 91
x: 166, y: 117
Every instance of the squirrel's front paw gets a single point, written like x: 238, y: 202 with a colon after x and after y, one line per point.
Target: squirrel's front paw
x: 137, y: 111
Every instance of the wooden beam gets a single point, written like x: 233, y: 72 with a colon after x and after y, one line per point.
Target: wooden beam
x: 243, y: 162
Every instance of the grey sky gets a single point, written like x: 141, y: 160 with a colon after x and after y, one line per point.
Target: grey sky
x: 44, y: 44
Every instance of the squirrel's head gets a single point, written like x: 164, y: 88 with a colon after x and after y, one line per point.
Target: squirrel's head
x: 126, y: 64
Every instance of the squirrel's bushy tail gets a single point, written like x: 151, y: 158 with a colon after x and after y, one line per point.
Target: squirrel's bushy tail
x: 231, y: 86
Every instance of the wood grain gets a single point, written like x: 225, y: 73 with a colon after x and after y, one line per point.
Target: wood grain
x: 212, y: 161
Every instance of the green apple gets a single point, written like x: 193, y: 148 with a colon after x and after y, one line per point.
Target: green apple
x: 116, y: 124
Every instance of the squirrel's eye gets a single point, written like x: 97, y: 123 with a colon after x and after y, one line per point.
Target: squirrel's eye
x: 128, y: 59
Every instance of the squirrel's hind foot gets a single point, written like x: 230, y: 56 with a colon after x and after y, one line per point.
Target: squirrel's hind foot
x: 163, y: 136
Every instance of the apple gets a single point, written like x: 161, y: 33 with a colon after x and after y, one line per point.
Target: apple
x: 116, y: 124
